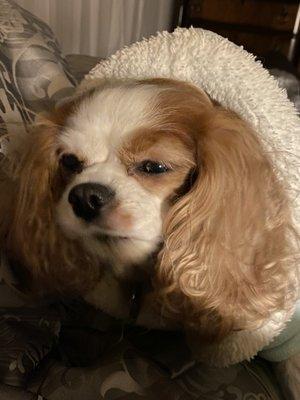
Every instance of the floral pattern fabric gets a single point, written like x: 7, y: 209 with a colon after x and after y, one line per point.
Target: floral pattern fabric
x: 70, y: 351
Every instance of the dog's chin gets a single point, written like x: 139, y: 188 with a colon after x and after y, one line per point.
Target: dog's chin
x: 121, y: 252
x: 124, y: 254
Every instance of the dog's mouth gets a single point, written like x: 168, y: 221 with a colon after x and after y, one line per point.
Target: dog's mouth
x: 110, y: 237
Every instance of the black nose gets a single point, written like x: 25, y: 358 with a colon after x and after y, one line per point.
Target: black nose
x: 87, y: 199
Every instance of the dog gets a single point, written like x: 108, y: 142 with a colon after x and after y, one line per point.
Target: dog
x: 151, y: 184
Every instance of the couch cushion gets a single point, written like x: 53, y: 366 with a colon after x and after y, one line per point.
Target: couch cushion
x: 33, y: 72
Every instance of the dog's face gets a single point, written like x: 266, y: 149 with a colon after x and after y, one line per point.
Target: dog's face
x: 153, y: 168
x: 124, y: 161
x: 95, y: 181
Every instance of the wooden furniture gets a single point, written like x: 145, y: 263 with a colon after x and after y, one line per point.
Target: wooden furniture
x: 261, y: 26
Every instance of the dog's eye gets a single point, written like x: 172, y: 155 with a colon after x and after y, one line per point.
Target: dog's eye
x: 71, y: 163
x: 152, y: 167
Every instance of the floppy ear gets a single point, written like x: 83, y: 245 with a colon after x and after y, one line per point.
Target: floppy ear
x: 31, y: 173
x: 49, y: 260
x: 32, y: 212
x: 224, y: 261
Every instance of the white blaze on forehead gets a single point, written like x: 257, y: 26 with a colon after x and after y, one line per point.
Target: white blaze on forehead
x: 105, y: 117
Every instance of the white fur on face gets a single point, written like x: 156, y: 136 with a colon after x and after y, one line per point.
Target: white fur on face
x: 103, y: 120
x: 95, y: 132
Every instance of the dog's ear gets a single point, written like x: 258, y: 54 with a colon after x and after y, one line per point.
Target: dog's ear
x: 37, y: 157
x: 224, y: 262
x: 32, y: 196
x: 33, y: 237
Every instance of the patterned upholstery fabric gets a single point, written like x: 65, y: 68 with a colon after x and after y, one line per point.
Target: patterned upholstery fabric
x: 33, y: 72
x: 72, y: 351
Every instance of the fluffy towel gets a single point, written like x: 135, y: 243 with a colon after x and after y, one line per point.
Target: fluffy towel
x: 232, y: 77
x: 229, y: 75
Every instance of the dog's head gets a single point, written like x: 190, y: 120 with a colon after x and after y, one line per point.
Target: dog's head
x: 132, y: 169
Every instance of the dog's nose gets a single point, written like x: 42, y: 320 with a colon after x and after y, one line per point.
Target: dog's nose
x: 87, y: 199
